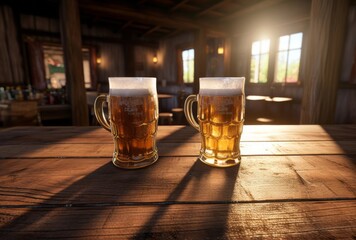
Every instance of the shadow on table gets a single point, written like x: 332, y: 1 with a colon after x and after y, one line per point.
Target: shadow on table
x: 343, y: 136
x: 19, y: 141
x: 202, y: 203
x: 107, y: 188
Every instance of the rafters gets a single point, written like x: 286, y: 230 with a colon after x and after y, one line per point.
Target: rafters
x: 149, y: 17
x: 155, y: 28
x: 211, y: 7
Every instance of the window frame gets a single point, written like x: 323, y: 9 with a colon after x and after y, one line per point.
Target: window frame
x: 273, y: 52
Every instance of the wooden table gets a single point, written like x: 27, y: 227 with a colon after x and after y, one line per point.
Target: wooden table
x: 293, y: 182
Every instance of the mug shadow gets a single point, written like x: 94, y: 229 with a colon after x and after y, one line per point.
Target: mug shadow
x: 105, y: 187
x: 191, y: 186
x: 93, y: 193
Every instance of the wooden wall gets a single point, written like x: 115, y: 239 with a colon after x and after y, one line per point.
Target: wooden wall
x: 11, y: 60
x: 167, y: 62
x: 107, y: 44
x: 110, y: 47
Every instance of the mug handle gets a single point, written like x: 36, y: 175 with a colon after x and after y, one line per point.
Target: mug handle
x: 188, y: 111
x: 99, y: 111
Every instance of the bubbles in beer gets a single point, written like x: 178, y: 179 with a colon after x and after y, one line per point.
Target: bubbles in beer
x: 221, y: 115
x: 134, y: 114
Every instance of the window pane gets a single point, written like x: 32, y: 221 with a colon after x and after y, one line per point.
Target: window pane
x: 296, y: 40
x: 256, y: 48
x: 293, y: 65
x: 191, y: 53
x: 281, y: 67
x: 288, y: 58
x: 254, y: 69
x: 283, y: 43
x: 185, y: 55
x: 265, y: 46
x: 263, y: 68
x: 188, y: 65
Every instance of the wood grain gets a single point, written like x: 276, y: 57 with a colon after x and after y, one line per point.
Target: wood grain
x: 76, y: 181
x: 293, y: 182
x: 251, y: 133
x: 291, y: 220
x: 65, y: 150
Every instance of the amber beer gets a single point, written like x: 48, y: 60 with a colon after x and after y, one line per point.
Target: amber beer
x: 221, y: 110
x: 220, y: 115
x: 133, y: 120
x: 133, y: 115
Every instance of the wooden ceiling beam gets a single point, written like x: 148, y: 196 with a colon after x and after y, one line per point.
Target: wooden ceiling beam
x: 178, y: 5
x: 149, y: 17
x: 126, y: 25
x: 155, y: 28
x: 251, y: 9
x: 211, y: 7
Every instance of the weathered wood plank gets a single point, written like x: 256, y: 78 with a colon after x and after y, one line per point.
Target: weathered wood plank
x: 23, y: 135
x: 292, y: 220
x: 293, y: 182
x: 96, y: 180
x: 62, y: 150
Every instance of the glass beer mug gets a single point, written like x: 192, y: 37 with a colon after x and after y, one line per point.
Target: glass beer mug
x: 132, y: 120
x: 221, y: 113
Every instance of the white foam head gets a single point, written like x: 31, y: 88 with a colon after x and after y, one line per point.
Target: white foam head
x: 222, y: 86
x: 132, y: 86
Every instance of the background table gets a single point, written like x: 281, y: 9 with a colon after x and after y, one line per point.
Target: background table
x: 293, y: 181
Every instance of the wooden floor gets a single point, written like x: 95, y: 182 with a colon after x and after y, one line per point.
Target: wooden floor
x: 294, y: 181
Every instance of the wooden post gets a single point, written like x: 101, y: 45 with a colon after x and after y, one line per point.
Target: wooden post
x: 323, y: 63
x: 72, y: 48
x: 199, y: 58
x: 129, y: 56
x: 227, y: 57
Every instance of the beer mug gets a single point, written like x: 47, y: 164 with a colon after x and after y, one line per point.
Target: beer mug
x: 132, y: 120
x: 221, y: 113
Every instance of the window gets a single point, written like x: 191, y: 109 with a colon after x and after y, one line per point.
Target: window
x: 259, y: 61
x: 287, y: 59
x: 188, y: 65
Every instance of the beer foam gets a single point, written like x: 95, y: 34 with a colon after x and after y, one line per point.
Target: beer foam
x: 130, y: 92
x: 222, y: 86
x: 220, y: 92
x: 132, y: 86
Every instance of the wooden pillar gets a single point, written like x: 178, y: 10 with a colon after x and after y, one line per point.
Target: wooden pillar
x: 328, y: 21
x: 227, y: 58
x: 129, y: 56
x: 11, y: 64
x: 73, y: 60
x: 199, y: 57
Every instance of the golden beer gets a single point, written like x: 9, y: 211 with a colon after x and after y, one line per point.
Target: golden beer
x: 221, y: 113
x: 220, y: 121
x: 132, y: 120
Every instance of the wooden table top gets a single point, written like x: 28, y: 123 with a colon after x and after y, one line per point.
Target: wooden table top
x: 296, y: 181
